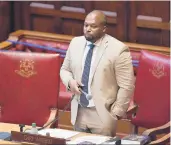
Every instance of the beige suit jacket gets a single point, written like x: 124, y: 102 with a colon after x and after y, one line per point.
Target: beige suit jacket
x: 112, y: 82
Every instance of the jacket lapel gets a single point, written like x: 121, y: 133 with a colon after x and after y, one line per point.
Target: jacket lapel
x: 80, y: 54
x: 100, y: 52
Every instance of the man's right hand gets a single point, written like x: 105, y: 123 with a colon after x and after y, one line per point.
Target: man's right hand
x: 74, y: 87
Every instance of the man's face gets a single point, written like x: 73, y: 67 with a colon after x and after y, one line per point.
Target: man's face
x: 93, y: 28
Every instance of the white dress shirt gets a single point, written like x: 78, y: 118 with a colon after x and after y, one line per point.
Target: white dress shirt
x: 97, y: 45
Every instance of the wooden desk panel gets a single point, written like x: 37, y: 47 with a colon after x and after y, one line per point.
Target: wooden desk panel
x: 6, y: 127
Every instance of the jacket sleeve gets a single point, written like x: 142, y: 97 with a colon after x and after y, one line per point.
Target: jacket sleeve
x: 125, y: 80
x: 66, y: 71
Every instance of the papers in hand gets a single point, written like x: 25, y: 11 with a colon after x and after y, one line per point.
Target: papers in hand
x: 58, y: 133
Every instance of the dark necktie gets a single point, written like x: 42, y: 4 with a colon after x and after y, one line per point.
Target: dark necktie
x: 85, y: 76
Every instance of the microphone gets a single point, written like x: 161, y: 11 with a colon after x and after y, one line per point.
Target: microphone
x: 88, y: 96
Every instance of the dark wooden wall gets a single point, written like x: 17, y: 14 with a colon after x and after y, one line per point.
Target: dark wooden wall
x: 152, y: 29
x: 6, y: 19
x: 144, y: 22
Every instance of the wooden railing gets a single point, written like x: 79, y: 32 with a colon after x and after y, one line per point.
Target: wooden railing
x: 15, y: 36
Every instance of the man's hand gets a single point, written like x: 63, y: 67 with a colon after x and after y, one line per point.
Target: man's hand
x: 74, y: 87
x: 118, y: 117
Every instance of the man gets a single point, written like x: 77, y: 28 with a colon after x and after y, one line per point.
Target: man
x: 105, y: 71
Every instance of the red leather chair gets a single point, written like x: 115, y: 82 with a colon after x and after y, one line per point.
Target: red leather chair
x: 29, y: 87
x: 152, y: 94
x: 33, y: 46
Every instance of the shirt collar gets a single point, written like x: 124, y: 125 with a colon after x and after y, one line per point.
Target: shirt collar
x: 97, y: 43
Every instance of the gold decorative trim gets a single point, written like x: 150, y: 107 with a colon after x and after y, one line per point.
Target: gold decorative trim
x: 26, y: 68
x: 158, y: 70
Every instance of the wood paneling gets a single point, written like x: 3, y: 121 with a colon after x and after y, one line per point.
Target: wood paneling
x: 149, y: 22
x: 36, y: 21
x: 145, y: 22
x: 62, y: 20
x: 5, y: 19
x: 125, y: 19
x: 76, y: 29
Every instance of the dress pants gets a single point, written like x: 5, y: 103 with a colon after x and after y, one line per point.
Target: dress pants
x: 89, y: 121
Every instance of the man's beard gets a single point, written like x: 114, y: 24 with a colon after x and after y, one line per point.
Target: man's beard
x: 89, y: 38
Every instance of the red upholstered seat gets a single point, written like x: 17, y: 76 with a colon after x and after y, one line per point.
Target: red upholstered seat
x: 64, y: 97
x: 29, y: 87
x: 152, y: 90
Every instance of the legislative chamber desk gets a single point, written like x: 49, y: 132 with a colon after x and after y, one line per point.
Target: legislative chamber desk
x: 6, y: 127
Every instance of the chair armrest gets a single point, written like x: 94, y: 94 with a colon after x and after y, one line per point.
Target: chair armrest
x: 164, y: 140
x: 52, y: 116
x: 158, y: 130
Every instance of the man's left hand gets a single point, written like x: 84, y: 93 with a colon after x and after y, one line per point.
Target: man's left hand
x: 118, y: 117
